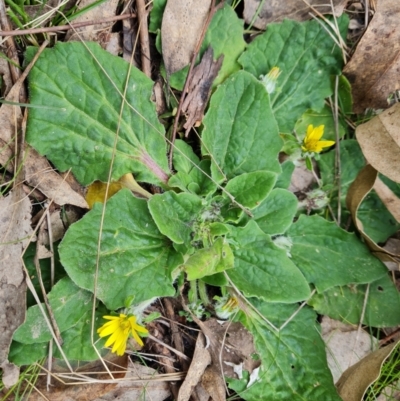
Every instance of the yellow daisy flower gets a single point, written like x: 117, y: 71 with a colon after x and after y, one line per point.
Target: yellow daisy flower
x: 120, y: 327
x: 312, y: 143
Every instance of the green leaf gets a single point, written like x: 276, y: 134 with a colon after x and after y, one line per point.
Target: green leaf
x: 307, y: 57
x: 263, y: 270
x: 275, y: 215
x: 284, y: 178
x: 329, y: 256
x: 184, y: 157
x: 27, y: 354
x: 135, y: 258
x: 252, y: 188
x: 78, y: 84
x: 68, y: 303
x: 240, y: 132
x: 345, y: 97
x: 156, y: 15
x: 192, y: 174
x: 77, y: 340
x: 380, y: 308
x: 316, y: 118
x: 225, y: 36
x: 45, y: 268
x: 175, y: 214
x: 208, y: 261
x: 293, y: 360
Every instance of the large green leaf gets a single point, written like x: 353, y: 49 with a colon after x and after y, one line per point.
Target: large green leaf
x: 68, y: 303
x: 379, y: 308
x: 80, y: 86
x: 175, y: 214
x: 240, y: 133
x: 293, y: 360
x: 307, y: 57
x: 275, y: 215
x: 225, y: 36
x: 329, y: 256
x: 263, y: 270
x: 135, y: 258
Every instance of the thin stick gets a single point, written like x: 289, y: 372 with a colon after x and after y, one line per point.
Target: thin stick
x: 337, y: 153
x: 12, y: 53
x: 144, y: 37
x: 54, y: 29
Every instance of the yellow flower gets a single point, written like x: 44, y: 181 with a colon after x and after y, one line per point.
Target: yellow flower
x: 312, y: 143
x: 120, y: 327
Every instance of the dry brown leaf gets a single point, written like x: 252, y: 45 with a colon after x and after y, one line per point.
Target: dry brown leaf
x: 214, y: 384
x: 201, y: 359
x: 181, y: 28
x: 200, y: 89
x: 277, y: 10
x: 10, y: 374
x: 40, y: 174
x: 15, y: 229
x: 346, y: 345
x: 373, y: 71
x: 379, y: 139
x: 356, y: 380
x: 358, y: 190
x: 99, y: 33
x: 388, y: 197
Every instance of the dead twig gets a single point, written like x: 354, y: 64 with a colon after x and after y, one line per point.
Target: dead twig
x: 12, y: 53
x: 144, y: 37
x: 34, y: 31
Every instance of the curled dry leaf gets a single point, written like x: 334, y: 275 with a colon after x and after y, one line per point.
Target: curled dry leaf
x: 346, y: 345
x: 355, y: 380
x: 379, y: 139
x: 15, y: 229
x: 388, y: 197
x: 277, y: 10
x: 181, y: 28
x: 200, y: 89
x: 358, y: 190
x: 373, y: 70
x: 201, y: 359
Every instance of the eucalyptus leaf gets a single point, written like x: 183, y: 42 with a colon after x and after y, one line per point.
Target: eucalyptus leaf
x: 80, y: 86
x: 135, y: 258
x: 68, y: 303
x: 329, y: 256
x: 293, y: 359
x: 379, y: 307
x: 307, y: 57
x: 263, y: 270
x: 240, y: 134
x: 175, y: 214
